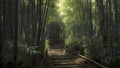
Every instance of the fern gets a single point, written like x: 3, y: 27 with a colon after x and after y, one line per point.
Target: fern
x: 32, y: 50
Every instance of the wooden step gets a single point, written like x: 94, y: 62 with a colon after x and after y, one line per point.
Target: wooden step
x: 61, y: 57
x: 60, y: 61
x: 68, y: 66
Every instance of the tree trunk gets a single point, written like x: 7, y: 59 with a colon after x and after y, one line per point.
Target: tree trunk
x: 1, y: 32
x: 116, y: 20
x: 90, y: 18
x: 15, y: 32
x: 102, y: 20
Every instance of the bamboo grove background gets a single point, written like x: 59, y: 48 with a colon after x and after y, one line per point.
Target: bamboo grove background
x: 27, y: 27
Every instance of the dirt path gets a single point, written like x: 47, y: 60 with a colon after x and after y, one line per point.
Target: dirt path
x: 60, y: 59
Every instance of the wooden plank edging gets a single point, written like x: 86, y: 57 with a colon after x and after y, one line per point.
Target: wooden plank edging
x: 92, y: 61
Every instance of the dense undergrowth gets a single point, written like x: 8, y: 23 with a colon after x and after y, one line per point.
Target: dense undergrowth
x: 28, y: 56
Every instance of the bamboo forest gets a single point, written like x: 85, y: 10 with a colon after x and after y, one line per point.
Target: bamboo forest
x: 59, y: 33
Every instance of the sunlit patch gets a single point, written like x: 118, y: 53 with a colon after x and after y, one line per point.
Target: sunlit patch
x: 57, y: 52
x: 93, y: 0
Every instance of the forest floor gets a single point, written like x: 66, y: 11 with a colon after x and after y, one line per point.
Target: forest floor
x: 59, y: 58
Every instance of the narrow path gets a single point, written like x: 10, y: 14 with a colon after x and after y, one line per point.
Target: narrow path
x: 60, y: 59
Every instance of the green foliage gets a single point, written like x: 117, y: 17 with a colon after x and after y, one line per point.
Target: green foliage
x: 94, y: 48
x: 76, y: 47
x: 111, y: 56
x: 32, y: 50
x: 25, y: 53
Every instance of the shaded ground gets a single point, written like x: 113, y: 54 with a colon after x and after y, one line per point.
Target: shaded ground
x: 61, y: 59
